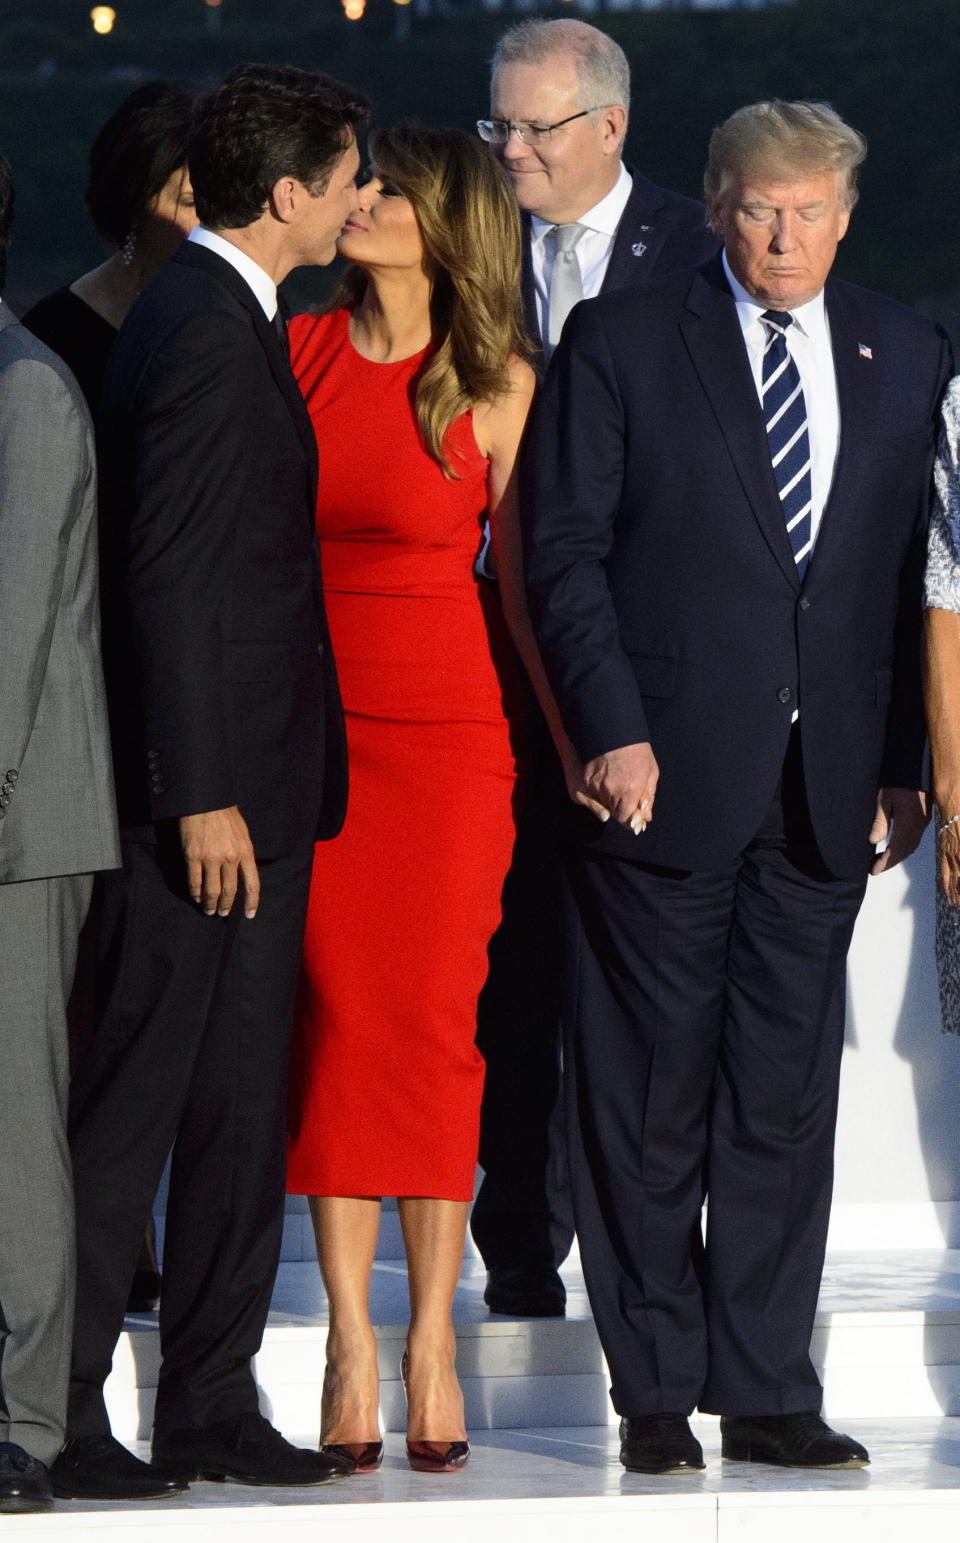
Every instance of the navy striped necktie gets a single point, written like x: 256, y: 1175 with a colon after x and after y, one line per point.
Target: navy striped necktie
x: 785, y: 416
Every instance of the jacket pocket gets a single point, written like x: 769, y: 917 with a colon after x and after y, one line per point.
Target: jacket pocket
x: 656, y: 673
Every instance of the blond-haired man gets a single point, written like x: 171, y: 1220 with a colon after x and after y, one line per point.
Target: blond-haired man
x: 727, y: 490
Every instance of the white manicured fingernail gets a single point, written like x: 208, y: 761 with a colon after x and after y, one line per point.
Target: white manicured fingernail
x: 636, y: 825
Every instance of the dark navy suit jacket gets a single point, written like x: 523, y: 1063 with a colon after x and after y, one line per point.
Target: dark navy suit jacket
x: 662, y: 584
x: 221, y: 679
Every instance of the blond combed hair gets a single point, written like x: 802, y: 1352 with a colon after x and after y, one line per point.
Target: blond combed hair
x: 470, y: 227
x: 791, y: 140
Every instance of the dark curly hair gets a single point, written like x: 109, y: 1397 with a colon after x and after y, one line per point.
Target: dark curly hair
x: 263, y: 123
x: 134, y: 155
x: 6, y: 215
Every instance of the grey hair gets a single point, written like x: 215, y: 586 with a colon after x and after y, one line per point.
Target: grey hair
x: 788, y: 139
x: 603, y: 70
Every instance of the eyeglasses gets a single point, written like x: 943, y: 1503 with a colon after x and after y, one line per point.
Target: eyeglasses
x: 496, y: 131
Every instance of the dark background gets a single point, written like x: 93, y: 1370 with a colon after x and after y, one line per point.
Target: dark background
x: 892, y: 67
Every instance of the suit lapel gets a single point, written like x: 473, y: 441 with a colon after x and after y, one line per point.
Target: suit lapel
x: 857, y: 381
x: 279, y: 361
x: 639, y: 238
x: 528, y: 295
x: 197, y: 256
x: 712, y: 334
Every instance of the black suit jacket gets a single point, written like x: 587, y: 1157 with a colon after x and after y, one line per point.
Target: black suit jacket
x: 659, y: 233
x: 663, y: 587
x: 222, y: 683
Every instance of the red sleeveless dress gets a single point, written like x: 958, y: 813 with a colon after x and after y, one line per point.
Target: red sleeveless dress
x: 386, y: 1079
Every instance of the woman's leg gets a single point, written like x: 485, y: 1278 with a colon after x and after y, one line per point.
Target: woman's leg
x: 346, y: 1231
x: 433, y: 1234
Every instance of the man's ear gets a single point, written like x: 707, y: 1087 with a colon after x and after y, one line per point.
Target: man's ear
x: 283, y: 199
x: 614, y: 125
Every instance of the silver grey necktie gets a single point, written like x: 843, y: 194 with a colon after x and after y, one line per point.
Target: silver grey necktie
x: 566, y: 285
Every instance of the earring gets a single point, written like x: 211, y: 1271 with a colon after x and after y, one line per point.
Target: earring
x: 128, y: 249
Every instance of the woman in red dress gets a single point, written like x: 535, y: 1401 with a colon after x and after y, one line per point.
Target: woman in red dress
x: 418, y: 393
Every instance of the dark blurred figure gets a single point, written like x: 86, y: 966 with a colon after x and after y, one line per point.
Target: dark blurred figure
x: 57, y: 825
x: 141, y: 202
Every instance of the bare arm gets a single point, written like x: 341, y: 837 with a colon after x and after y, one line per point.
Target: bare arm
x: 617, y: 786
x: 942, y: 691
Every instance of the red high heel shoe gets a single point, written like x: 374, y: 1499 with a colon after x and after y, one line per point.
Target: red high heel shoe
x: 433, y: 1456
x: 357, y: 1456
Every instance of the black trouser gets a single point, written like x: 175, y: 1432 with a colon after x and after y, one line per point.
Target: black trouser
x: 706, y: 1018
x: 190, y: 1051
x: 523, y: 1212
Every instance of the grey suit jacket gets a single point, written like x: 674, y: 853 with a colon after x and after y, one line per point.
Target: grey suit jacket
x: 57, y: 813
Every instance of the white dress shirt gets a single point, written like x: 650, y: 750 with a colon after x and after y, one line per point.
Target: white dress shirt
x: 259, y: 280
x: 592, y: 250
x: 808, y: 342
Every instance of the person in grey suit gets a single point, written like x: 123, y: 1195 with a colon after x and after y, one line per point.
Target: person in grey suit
x: 559, y: 101
x: 57, y: 827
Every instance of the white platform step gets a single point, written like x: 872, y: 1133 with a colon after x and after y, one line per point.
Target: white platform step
x: 565, y: 1486
x: 886, y: 1342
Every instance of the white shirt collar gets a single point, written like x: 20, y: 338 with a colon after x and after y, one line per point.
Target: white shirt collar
x: 604, y: 217
x: 811, y: 317
x: 259, y: 280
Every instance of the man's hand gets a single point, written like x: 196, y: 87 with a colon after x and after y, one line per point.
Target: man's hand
x: 219, y: 855
x: 902, y: 814
x: 621, y: 782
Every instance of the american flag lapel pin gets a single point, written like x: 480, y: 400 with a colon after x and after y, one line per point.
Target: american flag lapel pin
x: 864, y: 351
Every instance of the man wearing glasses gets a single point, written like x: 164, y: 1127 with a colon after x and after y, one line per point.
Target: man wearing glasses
x: 559, y: 99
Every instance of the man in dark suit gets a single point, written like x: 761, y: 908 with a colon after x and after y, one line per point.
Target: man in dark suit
x: 727, y: 487
x: 560, y: 94
x: 231, y: 763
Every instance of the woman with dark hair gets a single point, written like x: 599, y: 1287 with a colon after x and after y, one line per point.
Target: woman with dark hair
x: 418, y: 391
x: 140, y: 201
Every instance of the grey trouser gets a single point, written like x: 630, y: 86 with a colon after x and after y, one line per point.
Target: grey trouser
x: 40, y: 921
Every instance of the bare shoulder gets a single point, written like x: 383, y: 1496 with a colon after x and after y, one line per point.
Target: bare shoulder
x: 504, y: 417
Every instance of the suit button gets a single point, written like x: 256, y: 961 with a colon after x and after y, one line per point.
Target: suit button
x: 784, y: 694
x: 7, y: 787
x: 320, y: 648
x: 804, y: 604
x: 12, y: 775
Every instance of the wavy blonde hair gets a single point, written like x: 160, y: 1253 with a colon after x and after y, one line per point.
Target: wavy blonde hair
x: 470, y: 227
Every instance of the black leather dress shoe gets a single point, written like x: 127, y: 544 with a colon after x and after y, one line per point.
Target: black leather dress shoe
x: 99, y: 1468
x: 24, y: 1481
x: 789, y: 1441
x: 525, y: 1291
x: 659, y: 1443
x: 246, y: 1449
